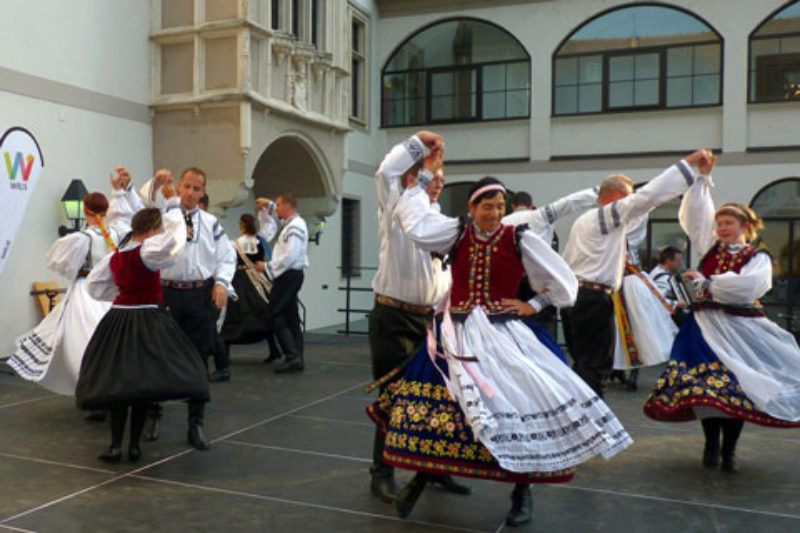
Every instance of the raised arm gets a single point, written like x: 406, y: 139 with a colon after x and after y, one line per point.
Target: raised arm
x: 431, y: 231
x: 267, y: 219
x: 160, y: 250
x: 125, y: 202
x: 572, y: 203
x: 696, y: 215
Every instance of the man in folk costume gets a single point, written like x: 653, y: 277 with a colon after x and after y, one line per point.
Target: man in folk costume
x: 596, y: 252
x: 407, y: 284
x: 285, y: 269
x: 196, y: 286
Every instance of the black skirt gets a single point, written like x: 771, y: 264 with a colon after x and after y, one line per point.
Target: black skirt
x: 139, y: 355
x: 246, y: 319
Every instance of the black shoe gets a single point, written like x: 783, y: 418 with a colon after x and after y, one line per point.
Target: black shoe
x: 410, y: 494
x: 290, y: 365
x: 134, y: 453
x: 383, y: 485
x: 450, y: 485
x: 113, y: 455
x: 272, y: 357
x: 521, y: 505
x: 220, y: 376
x: 96, y: 416
x: 151, y: 433
x: 196, y: 437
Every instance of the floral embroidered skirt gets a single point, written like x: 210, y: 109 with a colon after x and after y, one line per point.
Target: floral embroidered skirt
x: 694, y: 378
x: 426, y: 429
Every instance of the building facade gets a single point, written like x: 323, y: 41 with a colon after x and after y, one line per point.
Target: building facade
x: 307, y: 95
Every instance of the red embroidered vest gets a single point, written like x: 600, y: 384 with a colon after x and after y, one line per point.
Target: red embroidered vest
x: 485, y: 272
x: 719, y: 260
x: 138, y: 285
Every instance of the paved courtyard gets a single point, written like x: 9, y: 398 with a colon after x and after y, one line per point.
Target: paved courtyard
x: 291, y: 453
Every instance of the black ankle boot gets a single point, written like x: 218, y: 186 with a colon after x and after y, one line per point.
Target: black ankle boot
x: 711, y: 427
x: 450, y: 485
x: 134, y: 452
x: 633, y: 378
x: 113, y: 455
x: 410, y: 494
x: 521, y: 505
x: 290, y: 366
x: 731, y: 429
x: 382, y: 484
x: 196, y: 437
x: 153, y: 422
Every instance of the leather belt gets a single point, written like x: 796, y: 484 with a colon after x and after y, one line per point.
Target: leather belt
x: 592, y: 286
x: 421, y: 310
x: 183, y: 285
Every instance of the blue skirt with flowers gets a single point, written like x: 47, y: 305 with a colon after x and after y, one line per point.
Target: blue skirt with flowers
x: 695, y: 377
x: 426, y: 430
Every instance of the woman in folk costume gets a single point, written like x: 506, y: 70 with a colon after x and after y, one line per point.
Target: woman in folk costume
x: 729, y: 364
x: 645, y: 329
x: 495, y: 402
x: 138, y: 353
x: 247, y: 317
x: 51, y: 353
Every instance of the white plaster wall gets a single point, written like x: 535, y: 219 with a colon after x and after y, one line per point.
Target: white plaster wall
x: 75, y: 144
x: 773, y: 124
x: 100, y: 45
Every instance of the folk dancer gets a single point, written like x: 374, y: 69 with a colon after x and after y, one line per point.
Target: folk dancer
x: 670, y: 260
x: 285, y: 269
x: 197, y: 284
x: 408, y: 283
x: 51, y: 353
x: 596, y: 252
x: 730, y: 364
x: 491, y: 401
x: 138, y: 354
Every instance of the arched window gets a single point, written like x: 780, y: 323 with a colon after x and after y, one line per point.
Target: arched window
x: 637, y: 58
x: 778, y: 204
x: 458, y: 70
x: 775, y: 57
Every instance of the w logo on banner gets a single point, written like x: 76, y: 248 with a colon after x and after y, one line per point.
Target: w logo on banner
x: 13, y: 169
x: 18, y: 178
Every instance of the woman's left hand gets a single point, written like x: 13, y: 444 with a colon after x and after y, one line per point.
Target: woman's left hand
x: 260, y: 266
x: 518, y: 306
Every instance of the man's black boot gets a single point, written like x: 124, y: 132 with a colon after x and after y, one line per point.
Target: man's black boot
x: 382, y: 484
x: 521, y: 505
x: 410, y: 494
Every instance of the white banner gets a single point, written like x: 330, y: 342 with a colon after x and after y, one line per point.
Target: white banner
x: 20, y: 166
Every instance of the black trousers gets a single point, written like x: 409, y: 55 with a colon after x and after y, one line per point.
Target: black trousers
x: 394, y: 337
x: 591, y: 335
x: 285, y: 315
x: 196, y: 314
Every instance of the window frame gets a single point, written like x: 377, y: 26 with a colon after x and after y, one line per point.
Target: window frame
x: 479, y: 89
x: 359, y: 18
x: 753, y: 37
x: 663, y: 51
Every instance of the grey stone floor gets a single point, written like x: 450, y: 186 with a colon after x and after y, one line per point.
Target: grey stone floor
x: 291, y: 453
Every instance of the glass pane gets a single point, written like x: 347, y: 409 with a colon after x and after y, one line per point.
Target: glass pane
x: 591, y: 69
x: 762, y: 47
x: 775, y: 238
x: 706, y: 59
x: 780, y: 199
x: 567, y: 71
x: 787, y: 20
x: 518, y: 76
x: 620, y: 94
x: 679, y: 92
x: 494, y: 77
x: 456, y: 42
x: 494, y: 105
x: 620, y: 68
x: 590, y: 98
x: 394, y: 86
x: 706, y: 89
x: 647, y: 66
x: 645, y: 92
x: 566, y: 100
x: 415, y: 111
x: 442, y: 83
x: 393, y: 111
x: 790, y: 45
x: 679, y: 61
x: 442, y: 107
x: 517, y: 103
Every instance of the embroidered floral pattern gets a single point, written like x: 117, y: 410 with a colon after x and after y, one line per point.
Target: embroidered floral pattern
x: 680, y: 388
x: 426, y: 430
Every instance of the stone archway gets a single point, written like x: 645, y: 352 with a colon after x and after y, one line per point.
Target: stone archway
x: 292, y: 164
